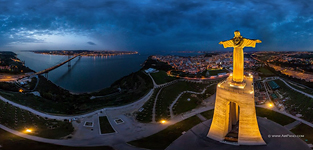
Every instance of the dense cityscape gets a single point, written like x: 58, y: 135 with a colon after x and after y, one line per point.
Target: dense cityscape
x: 86, y: 52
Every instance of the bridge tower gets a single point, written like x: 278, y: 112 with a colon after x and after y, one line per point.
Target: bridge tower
x: 69, y: 63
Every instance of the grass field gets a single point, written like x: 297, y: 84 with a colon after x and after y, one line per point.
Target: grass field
x: 298, y: 103
x: 20, y: 120
x: 164, y: 138
x: 305, y: 130
x: 168, y: 95
x: 274, y: 116
x: 183, y: 105
x: 105, y: 126
x: 301, y: 87
x: 161, y: 77
x: 145, y: 116
x: 215, y: 72
x: 35, y: 102
x: 265, y: 71
x: 208, y: 114
x: 10, y: 141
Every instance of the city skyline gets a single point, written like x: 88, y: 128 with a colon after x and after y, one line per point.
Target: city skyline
x: 147, y: 26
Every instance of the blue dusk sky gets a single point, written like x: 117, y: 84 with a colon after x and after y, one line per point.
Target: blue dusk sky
x: 154, y: 25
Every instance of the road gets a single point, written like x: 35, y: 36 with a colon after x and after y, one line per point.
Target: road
x: 9, y: 77
x: 306, y: 94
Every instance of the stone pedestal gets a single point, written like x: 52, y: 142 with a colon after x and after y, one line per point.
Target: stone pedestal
x: 230, y: 103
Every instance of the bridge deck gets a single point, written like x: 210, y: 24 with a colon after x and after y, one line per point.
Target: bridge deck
x: 56, y: 66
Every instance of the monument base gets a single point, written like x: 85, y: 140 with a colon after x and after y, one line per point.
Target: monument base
x: 239, y: 85
x: 235, y: 104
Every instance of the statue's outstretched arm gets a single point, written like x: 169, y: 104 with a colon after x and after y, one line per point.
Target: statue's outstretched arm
x: 226, y: 44
x: 251, y: 43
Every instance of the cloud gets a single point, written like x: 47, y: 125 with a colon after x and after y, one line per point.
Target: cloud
x: 152, y: 25
x: 91, y: 43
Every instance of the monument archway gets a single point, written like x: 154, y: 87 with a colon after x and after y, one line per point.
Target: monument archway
x: 233, y: 123
x: 232, y: 106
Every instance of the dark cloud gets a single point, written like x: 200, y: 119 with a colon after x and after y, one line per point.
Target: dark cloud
x: 149, y: 25
x: 91, y: 43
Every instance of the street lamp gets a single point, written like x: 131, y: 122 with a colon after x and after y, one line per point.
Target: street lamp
x: 163, y: 121
x: 28, y: 130
x: 270, y: 105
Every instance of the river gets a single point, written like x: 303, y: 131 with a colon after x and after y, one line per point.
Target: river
x: 87, y: 74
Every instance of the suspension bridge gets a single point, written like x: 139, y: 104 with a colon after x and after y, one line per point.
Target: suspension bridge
x: 46, y: 71
x: 56, y: 66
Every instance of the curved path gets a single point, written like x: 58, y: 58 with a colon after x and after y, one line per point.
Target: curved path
x: 154, y: 105
x: 58, y: 117
x: 172, y: 105
x: 161, y: 86
x: 274, y: 78
x: 306, y: 94
x: 283, y: 112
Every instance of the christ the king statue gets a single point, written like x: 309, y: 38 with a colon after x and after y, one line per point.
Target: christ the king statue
x: 238, y: 43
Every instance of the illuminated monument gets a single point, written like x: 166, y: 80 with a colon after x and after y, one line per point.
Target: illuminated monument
x: 234, y: 116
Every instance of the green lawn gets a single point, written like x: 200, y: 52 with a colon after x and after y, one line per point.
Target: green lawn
x: 183, y: 105
x: 208, y: 114
x: 274, y: 116
x: 20, y: 120
x: 10, y: 141
x: 35, y: 102
x: 305, y: 130
x: 298, y: 103
x: 145, y: 115
x: 265, y: 71
x: 164, y: 138
x: 301, y: 87
x: 161, y: 77
x: 105, y: 126
x: 168, y: 95
x: 217, y: 71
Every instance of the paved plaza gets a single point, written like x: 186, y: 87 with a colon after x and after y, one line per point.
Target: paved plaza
x: 197, y: 139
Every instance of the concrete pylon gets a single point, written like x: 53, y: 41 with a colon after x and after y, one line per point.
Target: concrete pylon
x: 233, y: 101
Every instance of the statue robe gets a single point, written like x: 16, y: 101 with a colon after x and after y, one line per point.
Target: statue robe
x: 238, y: 58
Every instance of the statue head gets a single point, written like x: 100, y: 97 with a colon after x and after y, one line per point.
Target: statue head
x: 237, y: 38
x: 237, y: 33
